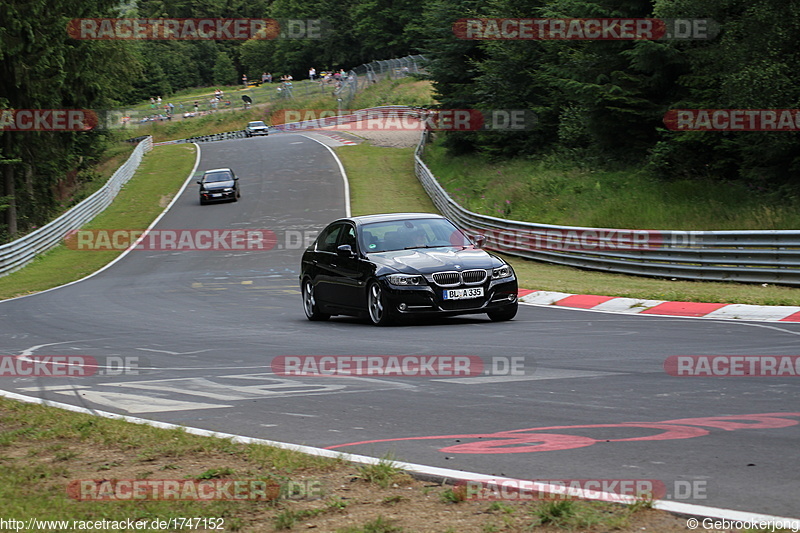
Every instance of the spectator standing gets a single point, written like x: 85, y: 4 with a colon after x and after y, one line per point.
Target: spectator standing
x: 244, y: 79
x: 312, y: 73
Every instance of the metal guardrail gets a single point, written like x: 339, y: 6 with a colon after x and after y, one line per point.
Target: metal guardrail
x: 18, y: 253
x: 759, y: 256
x: 224, y: 136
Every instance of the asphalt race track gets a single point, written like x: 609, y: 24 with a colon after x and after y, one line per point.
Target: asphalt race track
x: 591, y: 398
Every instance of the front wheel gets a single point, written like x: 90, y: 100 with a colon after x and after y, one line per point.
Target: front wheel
x: 376, y: 305
x: 310, y: 304
x: 504, y: 313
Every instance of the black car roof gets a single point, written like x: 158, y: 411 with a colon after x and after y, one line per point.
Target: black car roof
x: 388, y: 217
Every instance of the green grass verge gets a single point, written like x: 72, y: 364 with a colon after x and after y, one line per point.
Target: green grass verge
x: 382, y: 180
x: 551, y: 191
x: 405, y: 91
x: 60, y: 446
x: 158, y: 178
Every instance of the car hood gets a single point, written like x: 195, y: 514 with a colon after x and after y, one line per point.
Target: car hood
x: 218, y: 185
x: 428, y: 260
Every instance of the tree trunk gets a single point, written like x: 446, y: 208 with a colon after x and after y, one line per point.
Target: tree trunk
x: 9, y: 191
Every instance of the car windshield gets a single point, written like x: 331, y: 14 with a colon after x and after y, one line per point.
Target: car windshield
x: 409, y: 234
x: 217, y: 176
x: 258, y: 124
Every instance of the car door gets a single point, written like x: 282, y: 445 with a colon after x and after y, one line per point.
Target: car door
x: 350, y: 276
x: 324, y: 262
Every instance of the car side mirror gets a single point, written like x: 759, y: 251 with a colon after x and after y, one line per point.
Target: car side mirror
x: 480, y: 240
x: 344, y: 250
x: 199, y: 182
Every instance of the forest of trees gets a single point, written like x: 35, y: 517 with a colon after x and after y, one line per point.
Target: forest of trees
x: 599, y: 102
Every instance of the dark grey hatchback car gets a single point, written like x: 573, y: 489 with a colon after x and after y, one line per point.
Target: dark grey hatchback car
x: 218, y: 185
x: 387, y: 266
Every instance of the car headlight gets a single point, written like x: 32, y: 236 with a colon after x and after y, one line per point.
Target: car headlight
x: 403, y: 280
x: 501, y: 272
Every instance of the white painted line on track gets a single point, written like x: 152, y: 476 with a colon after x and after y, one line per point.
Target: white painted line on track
x: 538, y: 374
x: 342, y: 171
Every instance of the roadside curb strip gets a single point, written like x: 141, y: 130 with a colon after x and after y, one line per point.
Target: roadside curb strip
x: 329, y: 139
x: 639, y: 306
x: 336, y: 137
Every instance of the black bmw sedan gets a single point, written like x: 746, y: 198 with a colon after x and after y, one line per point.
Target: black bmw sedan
x: 403, y: 264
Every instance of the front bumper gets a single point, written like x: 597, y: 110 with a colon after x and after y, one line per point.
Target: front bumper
x: 217, y: 196
x: 428, y: 299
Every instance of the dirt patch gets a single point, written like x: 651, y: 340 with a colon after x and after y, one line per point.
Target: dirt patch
x: 390, y: 139
x: 165, y: 200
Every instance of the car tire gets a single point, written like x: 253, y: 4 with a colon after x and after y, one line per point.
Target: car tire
x: 310, y: 304
x: 202, y: 202
x: 504, y: 313
x: 377, y: 308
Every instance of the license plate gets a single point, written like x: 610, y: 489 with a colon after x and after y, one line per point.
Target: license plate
x: 217, y: 195
x: 463, y: 294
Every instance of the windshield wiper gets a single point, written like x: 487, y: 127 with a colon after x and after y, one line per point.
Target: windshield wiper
x: 427, y: 246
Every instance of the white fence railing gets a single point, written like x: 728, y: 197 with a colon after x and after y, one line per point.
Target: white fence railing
x: 18, y: 253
